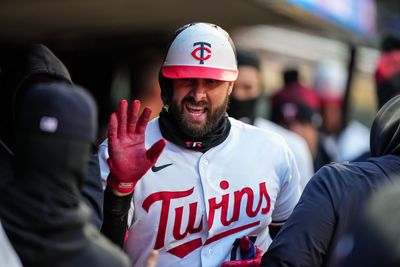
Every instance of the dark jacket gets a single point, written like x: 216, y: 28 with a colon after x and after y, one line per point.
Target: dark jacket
x: 41, y: 208
x: 333, y: 197
x: 20, y: 69
x: 374, y: 238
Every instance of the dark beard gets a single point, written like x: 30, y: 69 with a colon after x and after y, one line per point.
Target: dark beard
x: 198, y: 131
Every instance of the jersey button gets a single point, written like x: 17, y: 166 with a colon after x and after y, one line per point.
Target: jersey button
x: 205, y: 161
x: 210, y: 250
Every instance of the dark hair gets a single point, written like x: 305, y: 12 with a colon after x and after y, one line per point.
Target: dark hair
x: 290, y: 75
x: 390, y: 43
x: 247, y: 58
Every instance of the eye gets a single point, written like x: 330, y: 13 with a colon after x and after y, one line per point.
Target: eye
x: 211, y: 81
x: 186, y: 81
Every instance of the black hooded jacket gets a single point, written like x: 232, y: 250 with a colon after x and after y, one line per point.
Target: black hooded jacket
x: 23, y: 67
x: 334, y: 196
x: 41, y: 208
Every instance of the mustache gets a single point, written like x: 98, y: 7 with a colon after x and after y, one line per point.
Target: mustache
x: 191, y: 100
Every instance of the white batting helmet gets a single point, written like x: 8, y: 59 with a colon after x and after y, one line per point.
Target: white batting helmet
x: 199, y: 50
x: 330, y: 81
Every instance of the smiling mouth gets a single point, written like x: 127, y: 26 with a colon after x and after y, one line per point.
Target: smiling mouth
x: 195, y: 110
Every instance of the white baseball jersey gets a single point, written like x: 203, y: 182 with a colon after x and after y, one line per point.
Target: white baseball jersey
x: 352, y: 142
x: 192, y: 206
x: 297, y: 145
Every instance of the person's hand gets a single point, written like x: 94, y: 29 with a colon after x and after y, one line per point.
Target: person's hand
x: 128, y: 158
x: 250, y: 253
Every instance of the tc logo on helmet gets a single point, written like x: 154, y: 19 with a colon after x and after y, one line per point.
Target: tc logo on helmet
x: 203, y: 48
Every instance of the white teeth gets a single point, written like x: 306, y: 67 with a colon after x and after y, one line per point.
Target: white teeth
x: 195, y: 109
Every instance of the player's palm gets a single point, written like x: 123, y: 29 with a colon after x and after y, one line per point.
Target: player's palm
x: 128, y: 158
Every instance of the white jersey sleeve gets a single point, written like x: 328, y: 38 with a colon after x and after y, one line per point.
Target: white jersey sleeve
x: 290, y: 191
x: 297, y: 145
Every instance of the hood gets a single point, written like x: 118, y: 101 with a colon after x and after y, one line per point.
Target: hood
x: 20, y: 68
x: 43, y: 204
x: 385, y: 130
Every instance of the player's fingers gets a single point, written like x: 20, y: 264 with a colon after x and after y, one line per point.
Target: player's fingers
x: 122, y: 115
x: 143, y: 120
x: 232, y: 264
x: 133, y: 115
x: 245, y: 243
x: 112, y: 126
x: 155, y: 150
x: 256, y: 261
x: 240, y: 263
x: 152, y: 259
x: 259, y: 253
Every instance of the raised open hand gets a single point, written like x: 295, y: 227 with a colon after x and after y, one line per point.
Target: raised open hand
x: 129, y: 160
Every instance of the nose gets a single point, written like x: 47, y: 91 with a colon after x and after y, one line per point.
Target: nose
x: 198, y: 91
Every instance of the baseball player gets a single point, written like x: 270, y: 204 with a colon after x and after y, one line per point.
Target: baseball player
x: 204, y: 187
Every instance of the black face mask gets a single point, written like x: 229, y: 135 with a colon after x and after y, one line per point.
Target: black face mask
x: 52, y: 168
x: 42, y: 204
x: 243, y: 110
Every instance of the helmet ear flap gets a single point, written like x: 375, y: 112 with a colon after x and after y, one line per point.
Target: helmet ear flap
x: 166, y: 88
x: 165, y: 83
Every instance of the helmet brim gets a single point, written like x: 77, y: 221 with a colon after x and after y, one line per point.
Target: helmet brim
x: 182, y: 72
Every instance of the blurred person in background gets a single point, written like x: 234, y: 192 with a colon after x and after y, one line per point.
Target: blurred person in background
x: 41, y: 208
x: 24, y: 67
x: 247, y: 92
x: 146, y: 81
x: 342, y: 140
x: 296, y: 108
x: 334, y: 196
x: 387, y: 73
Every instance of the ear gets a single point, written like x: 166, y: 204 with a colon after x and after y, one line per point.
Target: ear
x: 230, y: 88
